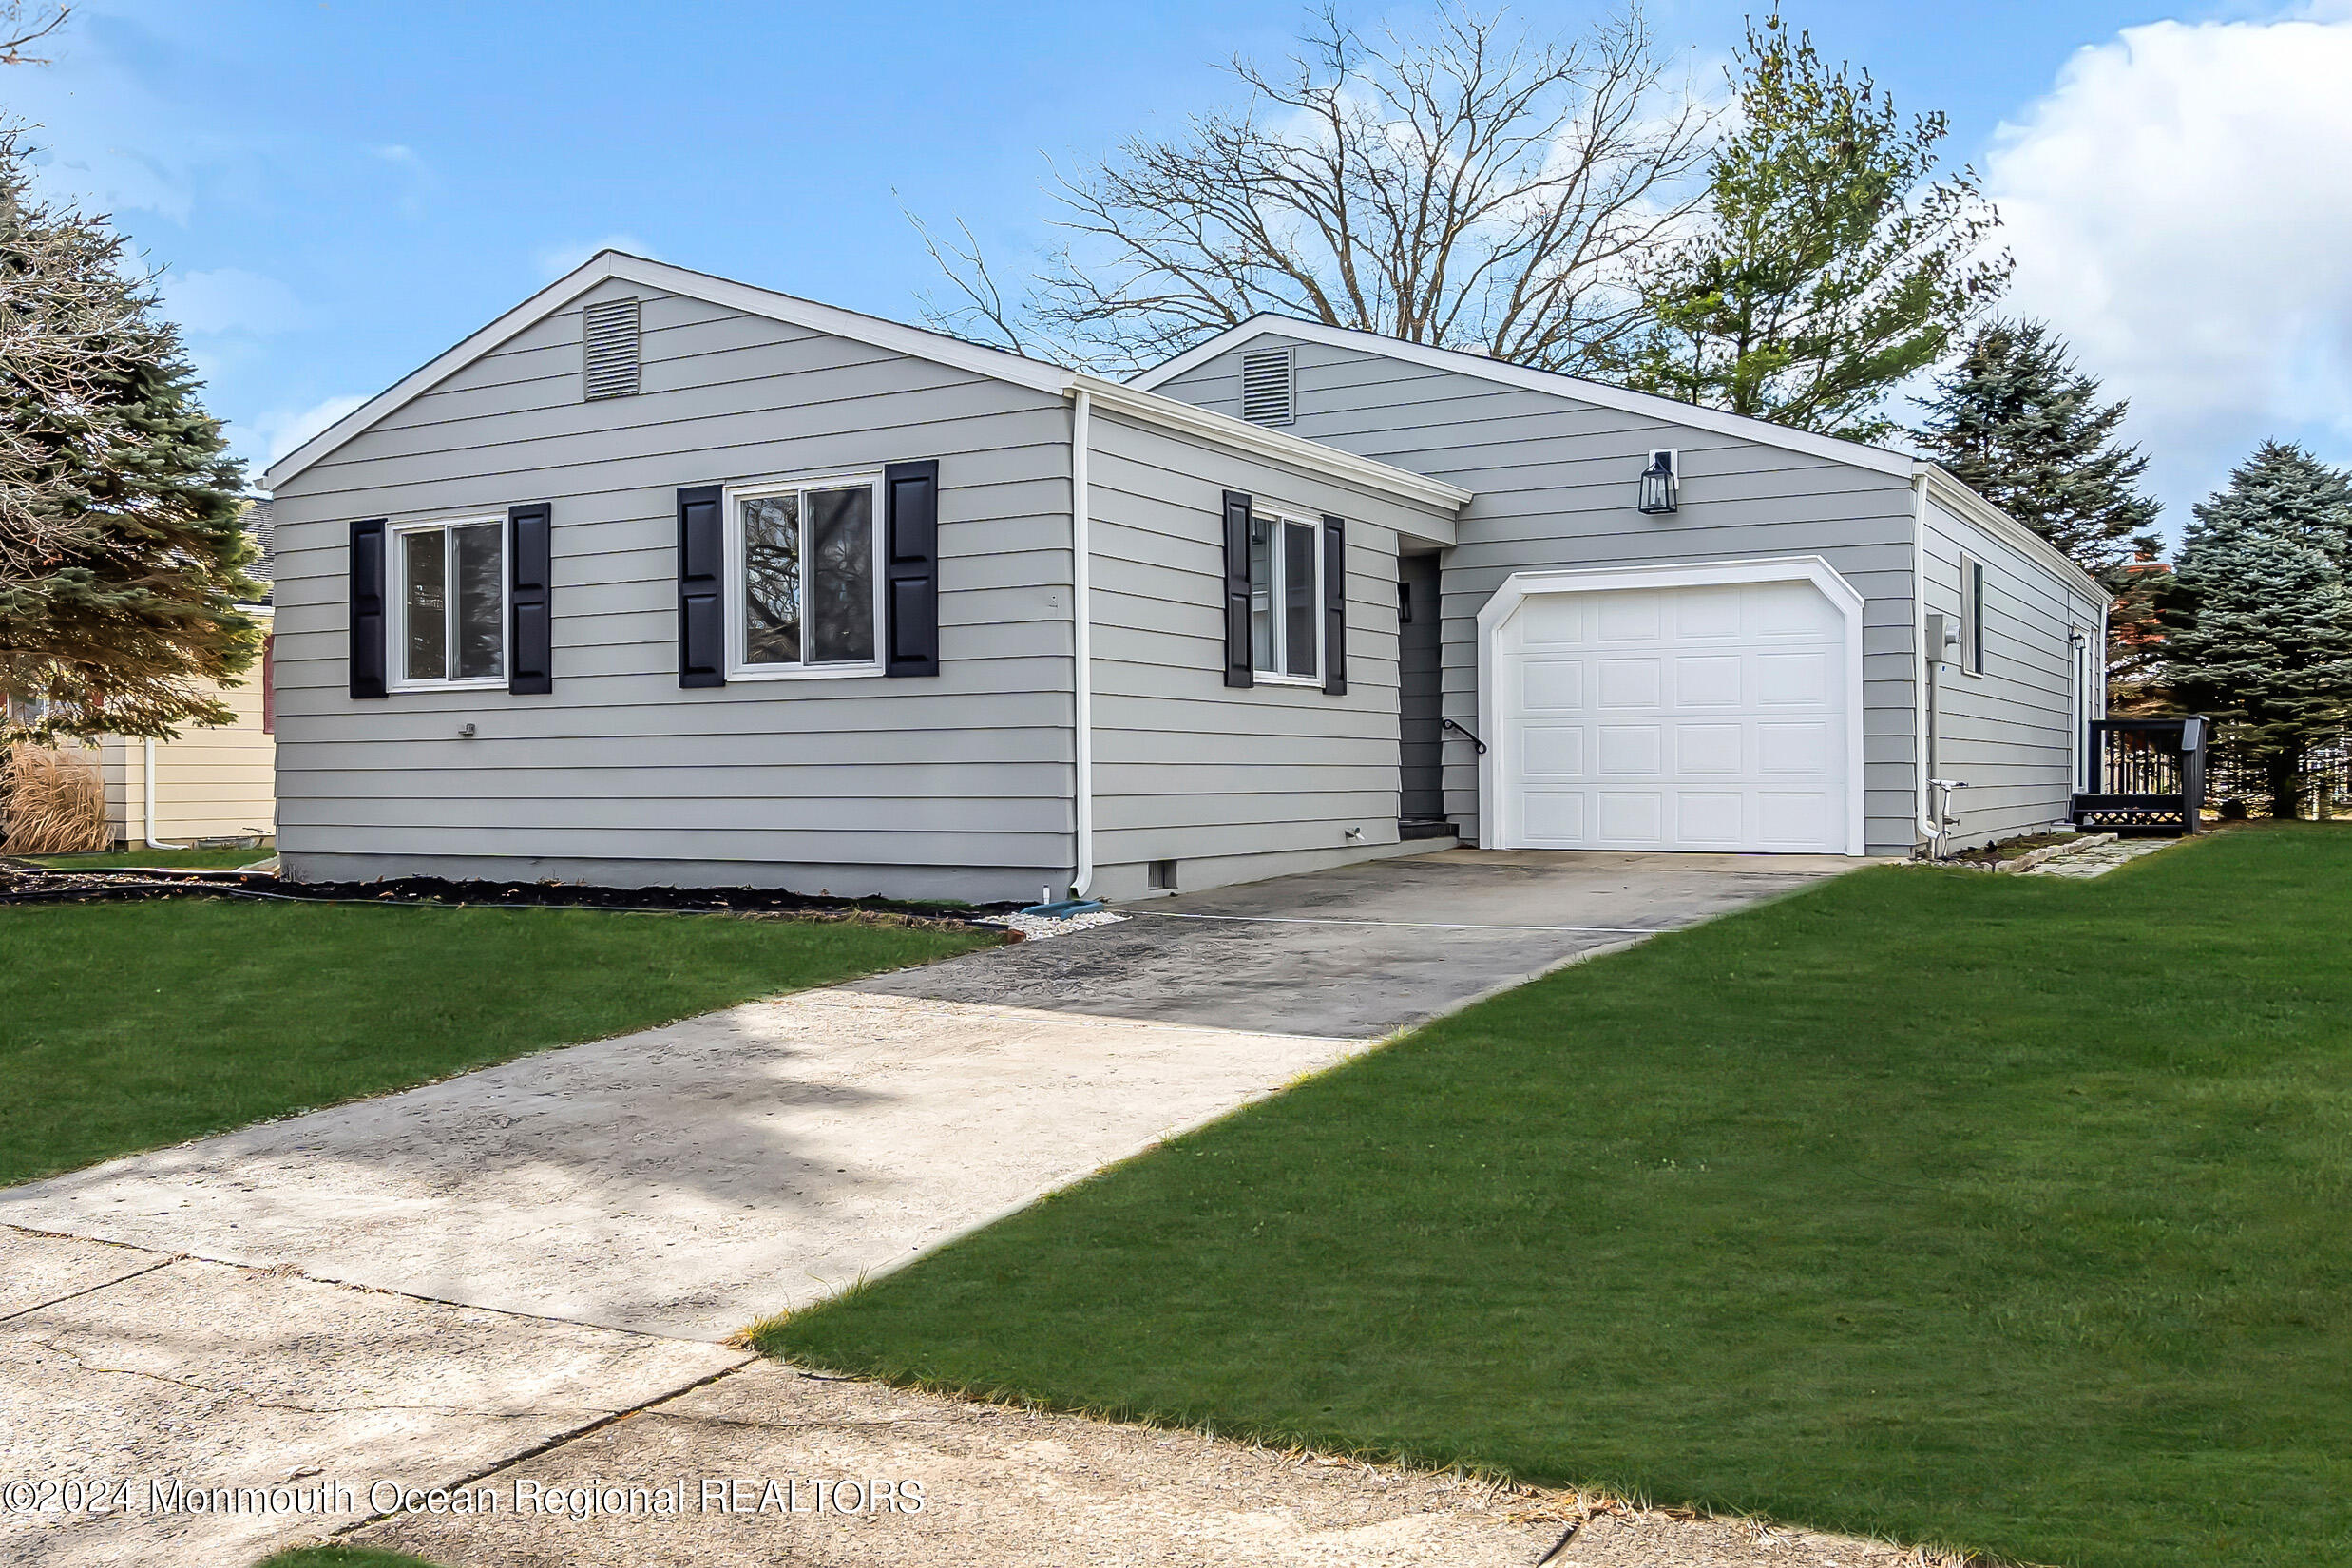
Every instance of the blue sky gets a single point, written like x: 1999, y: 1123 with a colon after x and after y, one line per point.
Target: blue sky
x: 341, y: 190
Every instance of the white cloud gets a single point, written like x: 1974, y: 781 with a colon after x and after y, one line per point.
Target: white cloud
x: 2180, y: 206
x: 553, y: 261
x: 268, y: 436
x: 416, y: 176
x: 229, y: 299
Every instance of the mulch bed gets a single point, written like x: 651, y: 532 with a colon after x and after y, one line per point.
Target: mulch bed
x: 21, y: 883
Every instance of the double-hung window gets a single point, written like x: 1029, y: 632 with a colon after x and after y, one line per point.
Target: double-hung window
x: 803, y: 562
x: 449, y: 602
x: 1286, y: 600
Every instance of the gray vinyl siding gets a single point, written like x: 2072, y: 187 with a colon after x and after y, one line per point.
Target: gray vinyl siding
x: 1421, y: 697
x: 957, y: 784
x: 2010, y: 733
x: 1232, y: 783
x: 1555, y: 480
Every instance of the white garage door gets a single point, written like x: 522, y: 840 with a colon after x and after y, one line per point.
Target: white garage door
x: 1676, y: 719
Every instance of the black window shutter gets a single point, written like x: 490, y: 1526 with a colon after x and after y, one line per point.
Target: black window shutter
x: 367, y: 607
x: 702, y: 592
x: 530, y: 610
x: 1240, y: 670
x: 910, y: 568
x: 1334, y: 607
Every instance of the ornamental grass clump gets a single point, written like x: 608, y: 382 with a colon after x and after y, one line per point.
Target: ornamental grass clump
x: 51, y: 802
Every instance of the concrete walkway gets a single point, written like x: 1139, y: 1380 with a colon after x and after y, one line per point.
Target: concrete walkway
x: 330, y: 1407
x: 438, y: 1284
x: 685, y: 1181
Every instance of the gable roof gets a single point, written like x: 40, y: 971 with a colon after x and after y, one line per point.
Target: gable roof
x: 918, y: 342
x: 1941, y: 483
x: 1554, y: 382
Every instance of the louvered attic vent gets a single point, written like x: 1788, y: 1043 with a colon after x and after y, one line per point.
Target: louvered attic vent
x: 609, y: 349
x: 1268, y: 388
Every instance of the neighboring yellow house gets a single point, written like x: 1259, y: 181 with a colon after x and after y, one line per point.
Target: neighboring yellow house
x: 219, y: 783
x: 212, y: 783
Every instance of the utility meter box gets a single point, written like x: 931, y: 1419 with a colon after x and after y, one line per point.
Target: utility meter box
x: 1941, y: 636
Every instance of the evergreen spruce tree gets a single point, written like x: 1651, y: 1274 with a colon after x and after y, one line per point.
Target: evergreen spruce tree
x: 2258, y: 616
x: 121, y: 544
x: 2017, y: 423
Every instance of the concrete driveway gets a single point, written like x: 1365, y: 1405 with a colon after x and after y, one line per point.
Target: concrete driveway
x: 689, y: 1179
x: 438, y: 1284
x: 1367, y: 949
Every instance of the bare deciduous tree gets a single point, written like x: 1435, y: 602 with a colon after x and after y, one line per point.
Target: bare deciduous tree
x: 1470, y: 189
x: 22, y: 23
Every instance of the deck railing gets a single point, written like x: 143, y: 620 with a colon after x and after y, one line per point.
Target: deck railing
x: 2144, y: 772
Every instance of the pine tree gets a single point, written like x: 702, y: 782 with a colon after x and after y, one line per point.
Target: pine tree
x: 2258, y: 616
x: 1833, y: 264
x: 2020, y: 425
x: 121, y: 544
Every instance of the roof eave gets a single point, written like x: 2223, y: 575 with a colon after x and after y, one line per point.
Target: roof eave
x: 1553, y: 383
x: 1331, y: 462
x: 1943, y: 486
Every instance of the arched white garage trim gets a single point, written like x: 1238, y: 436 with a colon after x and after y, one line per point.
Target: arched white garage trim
x: 1500, y: 801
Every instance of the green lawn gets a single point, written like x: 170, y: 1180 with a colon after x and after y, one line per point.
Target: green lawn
x: 207, y: 860
x: 2011, y: 1213
x: 124, y: 1026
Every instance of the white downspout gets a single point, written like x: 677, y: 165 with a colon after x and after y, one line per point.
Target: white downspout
x: 1081, y: 642
x: 1923, y: 727
x: 146, y: 826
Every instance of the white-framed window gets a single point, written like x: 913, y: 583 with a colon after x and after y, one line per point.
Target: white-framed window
x: 448, y: 602
x: 1972, y: 616
x: 804, y: 575
x: 1286, y: 600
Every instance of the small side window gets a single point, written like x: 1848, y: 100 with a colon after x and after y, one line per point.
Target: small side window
x: 1971, y: 615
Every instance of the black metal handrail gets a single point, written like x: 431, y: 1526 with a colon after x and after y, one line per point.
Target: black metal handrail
x: 1464, y: 732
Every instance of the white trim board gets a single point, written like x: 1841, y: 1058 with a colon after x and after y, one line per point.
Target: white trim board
x: 1518, y: 587
x: 1052, y: 380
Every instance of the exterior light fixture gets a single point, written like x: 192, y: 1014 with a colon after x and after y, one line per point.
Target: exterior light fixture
x: 1660, y: 488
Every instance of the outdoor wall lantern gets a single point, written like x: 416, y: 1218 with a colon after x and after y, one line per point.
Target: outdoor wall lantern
x: 1660, y: 492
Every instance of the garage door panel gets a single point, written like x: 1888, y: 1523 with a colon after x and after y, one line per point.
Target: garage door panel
x: 1791, y: 679
x: 1630, y: 751
x: 1553, y: 621
x: 1630, y: 684
x: 1709, y: 681
x: 1709, y: 820
x: 1552, y: 685
x: 1703, y: 750
x: 1702, y: 719
x: 1633, y: 617
x: 1553, y: 752
x: 1773, y: 611
x: 1792, y: 819
x: 1629, y: 816
x: 1708, y: 615
x: 1785, y: 749
x: 1555, y: 819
